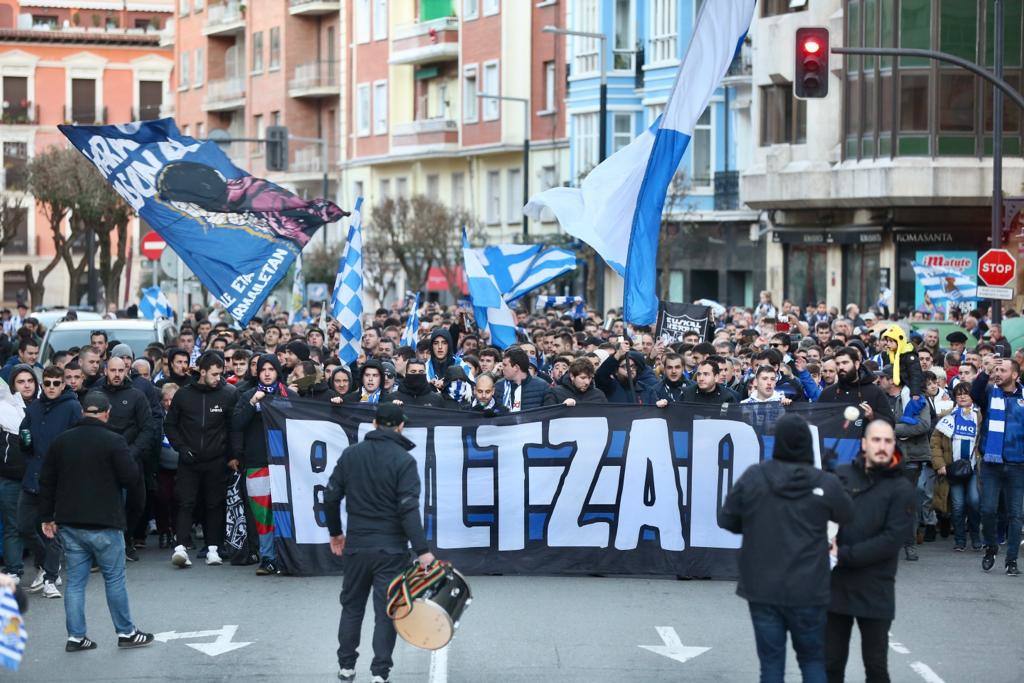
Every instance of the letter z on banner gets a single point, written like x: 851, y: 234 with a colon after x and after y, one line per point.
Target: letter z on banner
x: 588, y: 489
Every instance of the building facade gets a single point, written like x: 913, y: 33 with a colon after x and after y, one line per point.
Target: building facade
x: 895, y: 164
x: 70, y: 62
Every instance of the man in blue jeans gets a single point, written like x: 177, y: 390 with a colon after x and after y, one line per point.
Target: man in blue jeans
x: 782, y: 507
x: 80, y: 498
x: 1002, y: 457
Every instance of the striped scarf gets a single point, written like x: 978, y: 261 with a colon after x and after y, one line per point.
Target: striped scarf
x: 962, y: 432
x: 996, y: 426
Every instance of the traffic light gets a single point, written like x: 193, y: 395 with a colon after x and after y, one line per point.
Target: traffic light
x: 811, y: 79
x: 277, y: 148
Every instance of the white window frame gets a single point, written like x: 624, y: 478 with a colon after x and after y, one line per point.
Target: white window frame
x: 458, y: 190
x: 364, y: 117
x: 361, y: 9
x: 664, y: 32
x: 513, y: 208
x: 708, y: 185
x: 492, y: 192
x: 586, y: 51
x: 491, y: 107
x: 586, y: 150
x: 198, y: 69
x: 401, y: 187
x: 200, y: 130
x: 259, y: 127
x: 183, y: 8
x: 617, y: 137
x: 630, y: 40
x: 470, y: 9
x: 380, y: 120
x: 384, y: 187
x: 271, y: 65
x: 256, y: 56
x: 491, y: 7
x: 184, y: 69
x: 380, y: 23
x: 550, y: 87
x: 198, y: 5
x: 433, y: 186
x: 470, y: 101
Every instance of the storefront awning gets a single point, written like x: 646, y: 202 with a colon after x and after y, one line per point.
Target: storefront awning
x: 438, y: 279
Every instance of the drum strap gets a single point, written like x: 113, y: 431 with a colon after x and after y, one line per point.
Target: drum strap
x: 411, y: 584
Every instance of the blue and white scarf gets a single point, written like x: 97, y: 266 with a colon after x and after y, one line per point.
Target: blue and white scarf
x: 961, y: 430
x: 996, y: 413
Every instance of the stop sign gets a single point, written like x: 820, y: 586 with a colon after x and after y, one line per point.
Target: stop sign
x: 152, y: 245
x: 997, y: 268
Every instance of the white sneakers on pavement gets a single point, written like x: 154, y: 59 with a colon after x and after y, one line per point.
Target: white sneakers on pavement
x: 50, y: 590
x: 37, y: 583
x: 180, y: 557
x: 212, y: 558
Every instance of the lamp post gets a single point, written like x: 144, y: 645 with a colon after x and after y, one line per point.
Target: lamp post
x: 525, y: 101
x: 602, y: 131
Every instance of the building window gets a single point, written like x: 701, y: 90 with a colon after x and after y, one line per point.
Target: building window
x: 385, y: 188
x: 625, y: 40
x: 622, y: 131
x: 83, y: 101
x: 587, y: 50
x: 275, y: 118
x: 491, y: 7
x: 362, y: 20
x: 515, y: 195
x: 198, y: 5
x: 15, y: 166
x: 380, y: 107
x: 492, y: 107
x: 769, y: 8
x: 470, y: 9
x: 549, y: 86
x: 199, y: 68
x: 151, y: 95
x: 380, y: 19
x: 458, y: 190
x: 548, y: 178
x: 585, y: 126
x: 15, y: 282
x: 357, y: 190
x: 702, y: 145
x: 275, y: 48
x: 200, y: 130
x: 434, y: 187
x: 184, y: 71
x: 493, y: 207
x: 402, y: 188
x: 363, y: 108
x: 653, y: 112
x: 783, y: 117
x: 17, y: 108
x: 664, y: 31
x: 257, y: 52
x: 184, y: 130
x: 470, y: 101
x: 184, y: 7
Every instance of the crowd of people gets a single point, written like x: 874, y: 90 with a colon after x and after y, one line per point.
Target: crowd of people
x: 190, y: 413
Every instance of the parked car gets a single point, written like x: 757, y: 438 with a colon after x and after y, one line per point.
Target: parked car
x: 47, y: 317
x: 137, y: 334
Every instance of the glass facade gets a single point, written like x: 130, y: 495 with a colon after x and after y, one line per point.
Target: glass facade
x: 912, y: 106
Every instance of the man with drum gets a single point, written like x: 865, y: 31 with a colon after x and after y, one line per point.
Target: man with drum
x: 380, y: 483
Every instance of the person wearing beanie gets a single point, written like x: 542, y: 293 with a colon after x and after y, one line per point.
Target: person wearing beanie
x: 782, y: 508
x: 122, y: 350
x: 294, y: 353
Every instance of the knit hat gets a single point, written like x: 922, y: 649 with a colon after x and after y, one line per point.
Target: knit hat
x: 299, y: 348
x: 122, y: 351
x: 793, y: 440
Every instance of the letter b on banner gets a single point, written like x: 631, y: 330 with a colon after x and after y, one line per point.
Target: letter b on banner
x: 308, y: 476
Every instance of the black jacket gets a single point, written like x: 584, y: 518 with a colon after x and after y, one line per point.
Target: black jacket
x: 564, y: 389
x: 248, y: 441
x: 46, y: 420
x: 693, y: 394
x: 12, y: 459
x: 131, y: 416
x: 83, y: 474
x: 380, y: 483
x: 864, y: 390
x: 864, y: 581
x: 783, y: 509
x: 318, y: 392
x: 530, y: 396
x: 671, y: 392
x: 422, y: 396
x: 198, y: 425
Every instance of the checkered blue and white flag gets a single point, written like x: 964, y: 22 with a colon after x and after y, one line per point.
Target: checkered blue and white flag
x: 12, y: 631
x: 943, y: 285
x: 580, y: 310
x: 518, y: 269
x: 412, y: 326
x: 154, y: 304
x: 489, y: 309
x: 347, y: 299
x: 298, y: 299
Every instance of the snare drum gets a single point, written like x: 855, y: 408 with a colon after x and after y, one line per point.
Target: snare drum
x: 439, y: 595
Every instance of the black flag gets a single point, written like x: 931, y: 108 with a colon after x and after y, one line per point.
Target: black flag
x: 675, y: 320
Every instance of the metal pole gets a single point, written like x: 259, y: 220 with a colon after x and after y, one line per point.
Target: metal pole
x: 526, y: 167
x: 602, y: 153
x: 181, y: 291
x: 326, y: 180
x: 996, y: 313
x: 93, y: 293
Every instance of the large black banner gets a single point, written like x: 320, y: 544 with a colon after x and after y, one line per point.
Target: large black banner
x: 675, y: 320
x: 589, y: 489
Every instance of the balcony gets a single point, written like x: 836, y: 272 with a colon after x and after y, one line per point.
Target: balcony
x: 316, y: 79
x: 313, y: 8
x: 426, y: 42
x: 20, y: 114
x: 740, y: 70
x: 425, y: 134
x: 225, y: 95
x: 727, y: 190
x: 167, y: 110
x: 224, y: 20
x: 167, y: 34
x: 85, y: 116
x: 147, y: 112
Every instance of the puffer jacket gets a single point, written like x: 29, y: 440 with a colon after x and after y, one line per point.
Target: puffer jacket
x: 565, y: 389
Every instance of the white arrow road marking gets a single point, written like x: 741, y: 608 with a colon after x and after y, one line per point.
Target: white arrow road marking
x: 219, y: 646
x: 673, y: 648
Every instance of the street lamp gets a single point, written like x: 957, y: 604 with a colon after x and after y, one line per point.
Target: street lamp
x: 602, y: 129
x: 525, y: 101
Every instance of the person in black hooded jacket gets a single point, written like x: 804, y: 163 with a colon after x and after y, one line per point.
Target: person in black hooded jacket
x: 867, y: 551
x: 415, y: 389
x: 576, y: 386
x: 782, y: 508
x: 442, y: 356
x: 856, y: 386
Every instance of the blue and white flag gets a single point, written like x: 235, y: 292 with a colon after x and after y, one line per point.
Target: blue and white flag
x: 489, y: 309
x: 580, y: 310
x: 412, y: 326
x: 298, y: 299
x: 518, y: 269
x: 154, y: 304
x: 239, y: 234
x: 944, y: 285
x: 347, y: 299
x: 12, y: 631
x: 617, y: 208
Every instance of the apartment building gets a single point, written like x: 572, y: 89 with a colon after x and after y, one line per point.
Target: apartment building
x: 70, y: 62
x: 895, y: 164
x: 707, y: 252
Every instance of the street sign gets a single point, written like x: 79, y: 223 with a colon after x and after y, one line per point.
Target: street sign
x: 152, y: 246
x: 998, y: 293
x: 997, y: 268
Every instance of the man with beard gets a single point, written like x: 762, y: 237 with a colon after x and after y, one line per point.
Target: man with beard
x: 856, y: 386
x: 294, y: 353
x: 576, y: 386
x: 176, y: 370
x: 415, y: 389
x: 625, y: 378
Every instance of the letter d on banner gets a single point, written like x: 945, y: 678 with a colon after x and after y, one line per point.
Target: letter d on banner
x: 710, y: 476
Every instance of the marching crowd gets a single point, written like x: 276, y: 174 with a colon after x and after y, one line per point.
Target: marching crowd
x: 189, y: 413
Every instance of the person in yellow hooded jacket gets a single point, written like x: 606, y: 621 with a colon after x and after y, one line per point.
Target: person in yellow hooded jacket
x: 898, y: 352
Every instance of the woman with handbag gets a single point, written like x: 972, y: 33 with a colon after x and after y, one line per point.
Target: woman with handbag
x: 954, y: 444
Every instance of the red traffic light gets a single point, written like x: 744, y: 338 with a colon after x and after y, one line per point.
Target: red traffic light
x: 811, y: 46
x: 811, y: 74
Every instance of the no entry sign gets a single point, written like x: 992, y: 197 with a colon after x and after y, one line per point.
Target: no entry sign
x: 152, y: 245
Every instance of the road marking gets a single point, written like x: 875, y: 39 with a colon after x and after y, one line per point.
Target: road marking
x: 925, y: 672
x: 219, y: 646
x: 672, y: 647
x: 438, y: 666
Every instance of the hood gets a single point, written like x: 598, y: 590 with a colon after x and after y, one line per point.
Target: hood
x: 12, y: 409
x: 895, y: 468
x: 864, y: 378
x: 392, y: 436
x: 791, y: 479
x: 793, y: 440
x: 19, y: 369
x: 268, y: 358
x: 343, y: 370
x: 897, y: 334
x: 64, y: 397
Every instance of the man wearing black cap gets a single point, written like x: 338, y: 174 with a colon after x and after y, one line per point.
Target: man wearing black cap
x: 782, y: 508
x: 958, y: 344
x: 80, y: 487
x: 380, y: 483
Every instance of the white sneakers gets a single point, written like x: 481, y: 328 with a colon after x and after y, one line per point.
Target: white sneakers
x: 50, y: 590
x: 37, y: 583
x: 180, y: 558
x: 212, y: 558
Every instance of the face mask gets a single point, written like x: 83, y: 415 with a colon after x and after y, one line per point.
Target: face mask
x: 415, y: 382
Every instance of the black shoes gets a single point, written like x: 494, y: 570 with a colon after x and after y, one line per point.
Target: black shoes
x: 910, y: 553
x: 266, y: 568
x: 131, y: 554
x: 989, y: 560
x: 1011, y: 568
x: 929, y: 533
x: 137, y: 639
x: 165, y: 541
x: 79, y: 645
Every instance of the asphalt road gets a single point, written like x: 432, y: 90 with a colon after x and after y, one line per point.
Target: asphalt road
x: 954, y: 623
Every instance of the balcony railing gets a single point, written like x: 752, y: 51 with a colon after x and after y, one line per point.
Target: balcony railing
x: 21, y: 114
x: 225, y: 94
x: 228, y: 17
x: 313, y: 7
x: 426, y: 42
x: 147, y: 112
x: 727, y: 190
x: 740, y: 69
x: 316, y: 79
x: 85, y: 116
x: 425, y: 133
x: 167, y: 34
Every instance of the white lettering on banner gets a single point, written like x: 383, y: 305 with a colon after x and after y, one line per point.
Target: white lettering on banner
x: 452, y: 531
x: 266, y: 274
x: 511, y: 440
x: 650, y: 480
x: 307, y: 484
x: 136, y: 182
x: 708, y: 485
x: 564, y: 528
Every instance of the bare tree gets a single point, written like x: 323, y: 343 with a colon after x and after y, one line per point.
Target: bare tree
x: 48, y: 175
x: 12, y: 215
x: 675, y: 205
